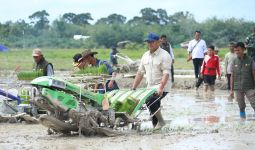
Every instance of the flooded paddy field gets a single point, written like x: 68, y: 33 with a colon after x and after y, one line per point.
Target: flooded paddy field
x: 194, y: 121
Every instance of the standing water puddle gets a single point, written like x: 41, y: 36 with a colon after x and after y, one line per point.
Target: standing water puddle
x: 188, y: 110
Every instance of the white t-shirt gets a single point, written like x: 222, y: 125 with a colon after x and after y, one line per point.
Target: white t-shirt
x: 198, y: 48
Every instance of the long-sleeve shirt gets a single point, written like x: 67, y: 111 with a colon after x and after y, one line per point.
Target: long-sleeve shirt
x: 154, y: 66
x: 211, y: 65
x: 50, y: 71
x: 229, y: 57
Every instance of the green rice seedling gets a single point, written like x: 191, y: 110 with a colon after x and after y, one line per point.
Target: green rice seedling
x: 29, y: 75
x: 93, y: 70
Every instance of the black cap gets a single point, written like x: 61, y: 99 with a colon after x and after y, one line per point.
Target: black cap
x: 240, y: 44
x: 76, y: 57
x: 114, y: 48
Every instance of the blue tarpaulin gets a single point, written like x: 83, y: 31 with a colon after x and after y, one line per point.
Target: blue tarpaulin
x: 3, y: 48
x: 9, y: 95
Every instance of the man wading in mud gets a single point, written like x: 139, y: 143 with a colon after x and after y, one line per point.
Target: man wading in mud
x: 197, y: 50
x: 156, y: 65
x: 242, y: 78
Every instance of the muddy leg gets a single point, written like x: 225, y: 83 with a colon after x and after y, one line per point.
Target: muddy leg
x: 250, y: 94
x: 212, y: 88
x: 240, y: 99
x: 206, y: 88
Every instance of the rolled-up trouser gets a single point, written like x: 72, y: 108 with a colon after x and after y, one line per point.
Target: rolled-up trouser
x: 154, y: 104
x: 250, y: 94
x: 197, y: 62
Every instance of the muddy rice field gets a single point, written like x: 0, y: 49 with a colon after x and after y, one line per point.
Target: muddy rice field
x: 194, y: 121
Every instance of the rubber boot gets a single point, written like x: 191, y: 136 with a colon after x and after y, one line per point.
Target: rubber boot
x: 161, y: 121
x: 154, y: 121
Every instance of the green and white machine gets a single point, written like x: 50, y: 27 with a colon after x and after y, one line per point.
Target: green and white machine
x: 65, y: 100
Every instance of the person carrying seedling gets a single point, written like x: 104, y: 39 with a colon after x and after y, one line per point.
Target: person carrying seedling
x: 210, y: 68
x: 41, y: 64
x: 88, y: 59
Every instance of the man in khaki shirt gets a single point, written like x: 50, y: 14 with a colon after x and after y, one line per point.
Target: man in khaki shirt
x: 156, y: 66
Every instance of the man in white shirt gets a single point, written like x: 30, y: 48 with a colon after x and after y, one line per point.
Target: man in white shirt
x: 197, y: 49
x: 155, y: 65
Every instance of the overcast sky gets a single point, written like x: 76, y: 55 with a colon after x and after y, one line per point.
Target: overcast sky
x: 201, y: 9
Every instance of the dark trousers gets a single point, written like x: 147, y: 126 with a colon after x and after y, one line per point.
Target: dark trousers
x: 172, y: 72
x: 199, y: 81
x: 228, y: 78
x: 197, y: 63
x: 154, y: 105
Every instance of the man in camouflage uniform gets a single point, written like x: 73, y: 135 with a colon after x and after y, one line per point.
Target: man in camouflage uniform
x: 242, y: 78
x: 250, y: 44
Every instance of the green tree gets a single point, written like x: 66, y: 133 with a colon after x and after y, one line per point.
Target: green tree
x: 162, y: 16
x: 179, y: 16
x: 82, y: 19
x: 135, y: 21
x: 149, y: 16
x: 112, y: 19
x: 40, y: 20
x: 69, y: 17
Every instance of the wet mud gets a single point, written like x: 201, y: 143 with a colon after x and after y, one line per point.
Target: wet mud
x: 194, y: 121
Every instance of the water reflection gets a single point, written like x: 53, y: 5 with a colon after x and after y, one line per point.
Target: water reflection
x: 194, y: 108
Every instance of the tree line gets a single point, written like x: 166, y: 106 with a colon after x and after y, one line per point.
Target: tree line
x: 107, y: 31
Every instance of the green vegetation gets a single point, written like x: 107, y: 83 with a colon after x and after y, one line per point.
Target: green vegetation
x: 29, y: 75
x: 93, y: 70
x: 62, y: 58
x: 108, y: 31
x: 56, y: 38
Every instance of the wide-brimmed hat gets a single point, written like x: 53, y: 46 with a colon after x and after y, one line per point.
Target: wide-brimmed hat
x: 37, y: 52
x: 86, y: 53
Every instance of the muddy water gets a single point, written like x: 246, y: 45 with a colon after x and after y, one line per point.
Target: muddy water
x: 194, y: 121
